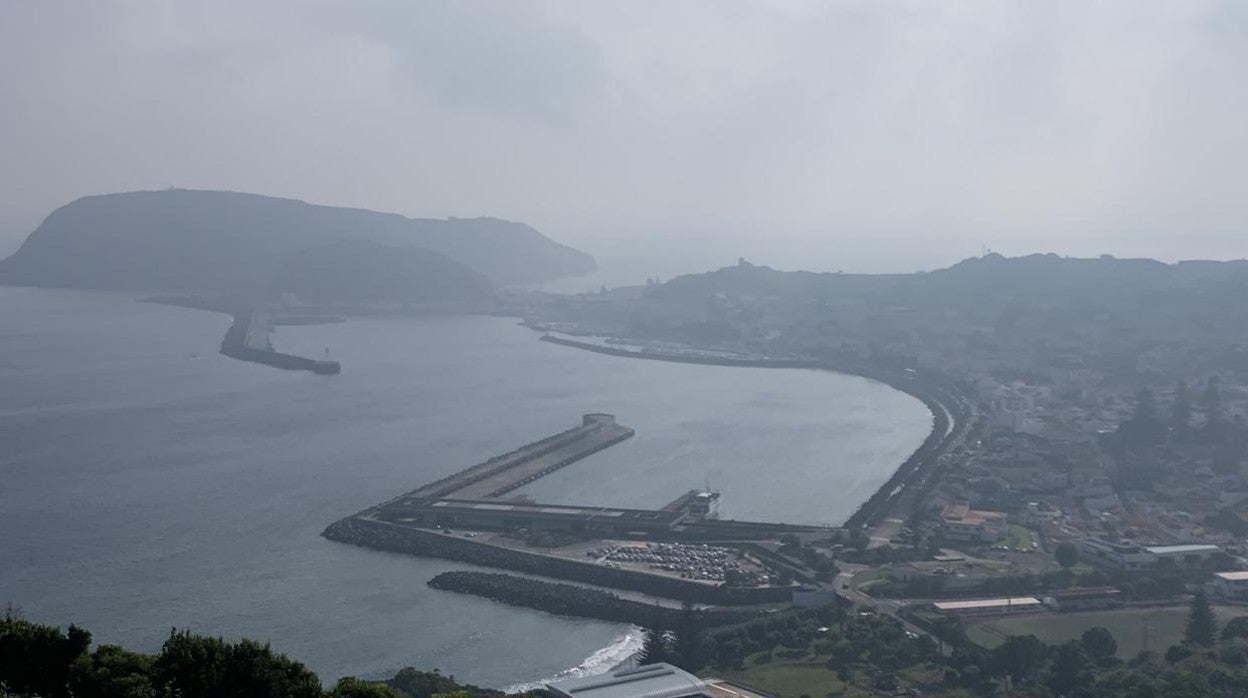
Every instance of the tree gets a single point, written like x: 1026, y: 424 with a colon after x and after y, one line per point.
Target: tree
x: 38, y: 659
x: 351, y: 687
x: 1018, y: 657
x: 113, y: 672
x: 209, y: 667
x: 1235, y: 628
x: 1099, y: 643
x: 1181, y: 413
x: 1201, y: 629
x: 655, y: 647
x: 1071, y: 669
x: 1215, y: 425
x: 687, y: 647
x: 414, y: 682
x: 1066, y: 554
x: 1143, y: 429
x: 844, y: 674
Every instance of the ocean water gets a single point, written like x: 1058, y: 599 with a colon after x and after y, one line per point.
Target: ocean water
x: 147, y: 482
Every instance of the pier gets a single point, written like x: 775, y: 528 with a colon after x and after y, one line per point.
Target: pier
x: 248, y: 340
x: 510, y: 471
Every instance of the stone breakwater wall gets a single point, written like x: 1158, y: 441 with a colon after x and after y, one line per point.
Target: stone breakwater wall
x: 573, y: 600
x: 593, y: 427
x: 413, y: 541
x: 625, y: 433
x: 235, y: 346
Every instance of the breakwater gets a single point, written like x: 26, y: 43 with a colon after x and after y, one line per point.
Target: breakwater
x: 381, y: 535
x: 941, y: 397
x: 704, y: 359
x: 237, y: 345
x: 502, y: 474
x: 582, y: 602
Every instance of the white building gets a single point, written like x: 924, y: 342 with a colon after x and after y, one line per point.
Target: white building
x: 1120, y: 555
x: 1084, y: 598
x: 1135, y: 557
x: 1230, y: 585
x: 990, y: 607
x: 1192, y: 555
x: 961, y: 522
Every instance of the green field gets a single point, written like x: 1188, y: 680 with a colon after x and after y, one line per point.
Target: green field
x: 1019, y: 539
x: 1165, y: 627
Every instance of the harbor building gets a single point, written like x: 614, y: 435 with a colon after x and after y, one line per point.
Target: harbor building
x: 962, y: 523
x: 1193, y: 555
x: 1230, y: 585
x: 1129, y: 556
x: 990, y: 607
x: 1084, y: 598
x: 1124, y: 556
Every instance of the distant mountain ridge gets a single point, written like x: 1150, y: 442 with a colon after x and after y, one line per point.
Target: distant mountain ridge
x: 983, y: 311
x: 192, y: 240
x: 984, y: 280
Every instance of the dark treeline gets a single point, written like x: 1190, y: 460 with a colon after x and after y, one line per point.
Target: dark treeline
x: 1209, y: 662
x: 572, y: 600
x: 46, y: 662
x: 1135, y: 585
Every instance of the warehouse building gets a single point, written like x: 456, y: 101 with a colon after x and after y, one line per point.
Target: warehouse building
x: 1230, y: 585
x: 1084, y: 598
x: 990, y: 607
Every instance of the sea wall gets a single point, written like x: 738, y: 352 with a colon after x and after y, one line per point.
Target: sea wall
x: 583, y: 602
x: 380, y: 535
x: 234, y: 345
x: 563, y: 463
x: 593, y: 425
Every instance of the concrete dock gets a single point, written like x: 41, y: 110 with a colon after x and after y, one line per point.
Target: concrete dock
x: 502, y: 474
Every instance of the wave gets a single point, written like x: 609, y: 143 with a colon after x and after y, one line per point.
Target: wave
x: 600, y: 662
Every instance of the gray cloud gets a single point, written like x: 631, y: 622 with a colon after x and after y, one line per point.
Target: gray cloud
x: 1072, y: 126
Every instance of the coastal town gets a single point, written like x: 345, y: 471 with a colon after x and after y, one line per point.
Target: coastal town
x: 1089, y: 475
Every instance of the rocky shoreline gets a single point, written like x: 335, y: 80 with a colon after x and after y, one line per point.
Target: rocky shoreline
x: 579, y: 601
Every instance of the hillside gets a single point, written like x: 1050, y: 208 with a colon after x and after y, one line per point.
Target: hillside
x: 1031, y: 313
x: 186, y: 240
x: 358, y: 271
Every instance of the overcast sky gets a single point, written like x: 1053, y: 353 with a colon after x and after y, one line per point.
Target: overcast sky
x: 856, y: 134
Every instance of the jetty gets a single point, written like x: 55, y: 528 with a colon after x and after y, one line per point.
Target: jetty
x: 510, y: 471
x: 248, y: 340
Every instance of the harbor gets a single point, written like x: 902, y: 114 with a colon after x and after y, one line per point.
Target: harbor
x: 679, y: 550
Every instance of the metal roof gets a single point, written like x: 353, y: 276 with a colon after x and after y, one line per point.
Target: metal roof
x: 1180, y: 549
x: 650, y: 681
x: 1076, y: 592
x: 987, y: 603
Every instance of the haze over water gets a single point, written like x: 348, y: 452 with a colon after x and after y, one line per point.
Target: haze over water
x: 177, y: 487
